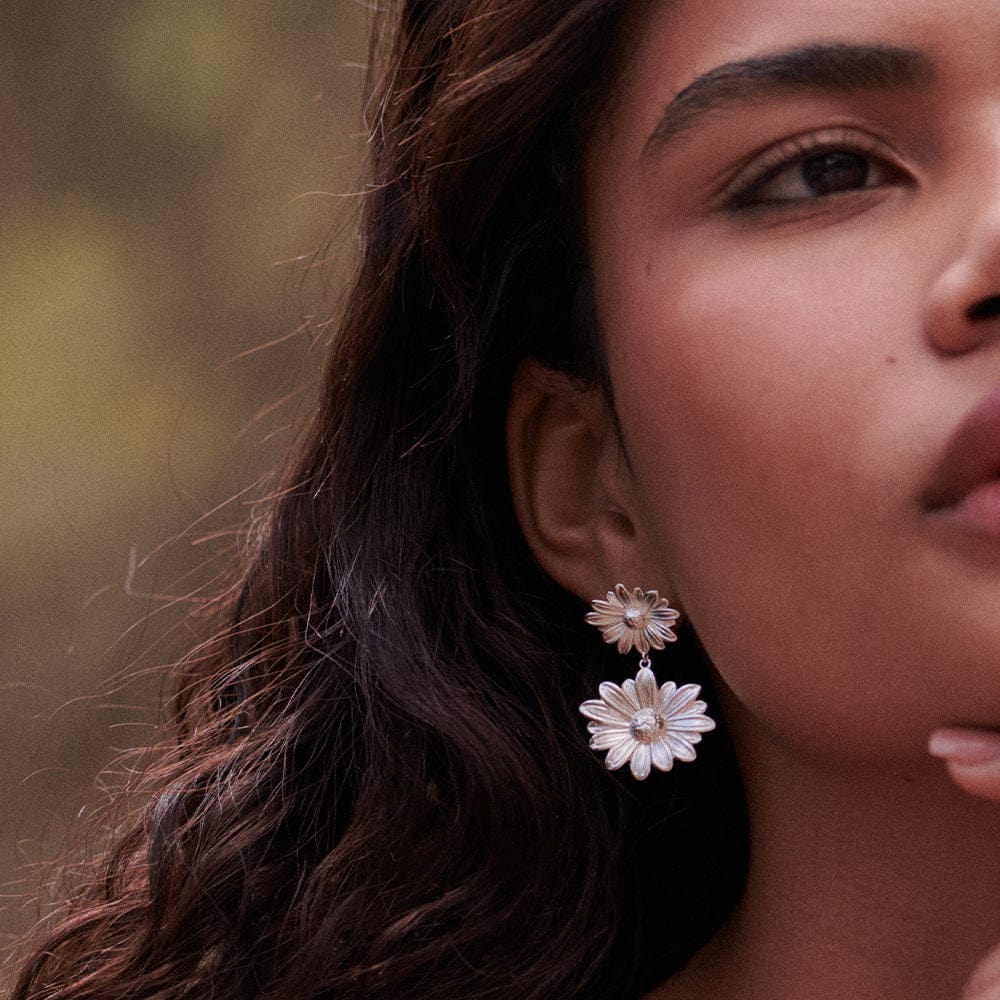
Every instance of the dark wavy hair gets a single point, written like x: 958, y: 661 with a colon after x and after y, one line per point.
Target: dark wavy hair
x: 375, y: 782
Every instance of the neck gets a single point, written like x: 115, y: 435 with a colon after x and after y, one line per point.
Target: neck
x: 868, y: 881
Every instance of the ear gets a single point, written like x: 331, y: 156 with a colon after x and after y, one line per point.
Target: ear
x: 571, y: 483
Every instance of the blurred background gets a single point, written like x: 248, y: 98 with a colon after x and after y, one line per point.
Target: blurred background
x: 175, y: 228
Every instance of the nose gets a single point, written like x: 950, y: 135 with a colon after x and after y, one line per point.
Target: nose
x: 964, y: 305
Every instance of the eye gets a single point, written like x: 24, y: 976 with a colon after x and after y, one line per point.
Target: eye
x: 811, y: 168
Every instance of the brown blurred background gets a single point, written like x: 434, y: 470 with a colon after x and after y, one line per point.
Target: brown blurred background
x: 168, y: 170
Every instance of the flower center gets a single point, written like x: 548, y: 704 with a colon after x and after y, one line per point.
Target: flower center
x: 633, y: 618
x: 647, y: 725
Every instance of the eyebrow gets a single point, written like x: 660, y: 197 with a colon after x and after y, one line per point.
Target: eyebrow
x: 830, y: 67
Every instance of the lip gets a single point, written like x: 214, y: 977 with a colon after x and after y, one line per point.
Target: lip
x: 965, y: 485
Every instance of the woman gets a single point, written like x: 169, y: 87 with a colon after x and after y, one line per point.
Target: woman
x: 703, y: 298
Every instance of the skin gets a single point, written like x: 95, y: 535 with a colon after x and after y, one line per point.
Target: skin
x: 787, y: 367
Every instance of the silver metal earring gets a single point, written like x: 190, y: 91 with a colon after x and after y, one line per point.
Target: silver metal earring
x: 640, y: 723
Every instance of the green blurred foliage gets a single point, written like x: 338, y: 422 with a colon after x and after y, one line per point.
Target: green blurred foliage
x: 183, y: 66
x: 171, y: 169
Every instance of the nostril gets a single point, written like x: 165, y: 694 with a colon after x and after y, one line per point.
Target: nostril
x: 985, y: 309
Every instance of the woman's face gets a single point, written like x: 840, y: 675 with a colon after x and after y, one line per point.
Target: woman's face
x: 793, y: 214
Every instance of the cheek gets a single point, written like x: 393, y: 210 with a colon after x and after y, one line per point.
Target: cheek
x: 751, y: 391
x: 758, y: 380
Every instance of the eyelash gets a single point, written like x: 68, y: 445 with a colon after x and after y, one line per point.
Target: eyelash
x: 793, y: 152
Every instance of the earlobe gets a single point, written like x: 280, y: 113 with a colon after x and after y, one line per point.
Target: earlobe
x: 569, y: 480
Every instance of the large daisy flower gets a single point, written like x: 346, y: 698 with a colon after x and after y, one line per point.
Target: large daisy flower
x: 639, y: 619
x: 645, y: 725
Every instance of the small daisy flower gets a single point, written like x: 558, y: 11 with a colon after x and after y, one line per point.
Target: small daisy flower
x: 639, y: 619
x: 646, y: 726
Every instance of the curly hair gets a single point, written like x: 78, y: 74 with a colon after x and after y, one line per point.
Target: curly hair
x: 374, y: 781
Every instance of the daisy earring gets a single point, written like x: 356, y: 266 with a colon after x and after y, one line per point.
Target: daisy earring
x: 640, y: 723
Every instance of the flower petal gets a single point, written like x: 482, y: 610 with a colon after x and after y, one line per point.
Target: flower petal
x: 691, y: 724
x: 641, y: 759
x: 602, y: 609
x: 602, y: 619
x: 661, y: 633
x: 645, y: 688
x: 663, y: 759
x: 601, y: 711
x: 655, y: 639
x: 681, y: 699
x: 695, y: 708
x: 681, y: 748
x: 614, y: 631
x: 606, y: 739
x: 628, y: 688
x: 619, y: 698
x: 641, y: 641
x: 666, y: 693
x: 626, y: 640
x: 620, y: 754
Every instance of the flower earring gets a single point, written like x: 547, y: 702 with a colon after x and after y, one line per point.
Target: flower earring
x: 639, y: 723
